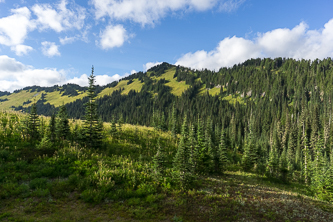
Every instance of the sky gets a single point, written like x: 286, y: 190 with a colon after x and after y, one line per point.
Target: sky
x: 48, y: 43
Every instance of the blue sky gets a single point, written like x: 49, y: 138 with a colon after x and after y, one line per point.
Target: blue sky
x: 56, y: 42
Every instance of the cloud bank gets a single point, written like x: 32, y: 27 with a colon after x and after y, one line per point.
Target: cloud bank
x: 150, y: 11
x: 15, y: 28
x: 59, y: 18
x: 15, y: 75
x: 297, y: 43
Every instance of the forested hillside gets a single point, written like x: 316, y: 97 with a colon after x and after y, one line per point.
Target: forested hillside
x: 267, y: 118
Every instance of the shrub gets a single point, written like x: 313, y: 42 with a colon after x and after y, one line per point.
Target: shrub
x: 38, y: 183
x: 92, y: 196
x: 41, y: 192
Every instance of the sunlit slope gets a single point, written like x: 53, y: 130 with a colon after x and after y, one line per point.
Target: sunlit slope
x: 57, y: 96
x: 54, y: 98
x: 177, y: 87
x: 57, y: 99
x: 17, y: 99
x: 136, y: 85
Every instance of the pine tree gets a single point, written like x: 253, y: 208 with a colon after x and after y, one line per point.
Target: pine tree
x: 62, y: 124
x: 291, y: 149
x: 222, y: 154
x: 273, y: 161
x: 314, y: 130
x: 33, y: 124
x: 93, y: 126
x: 113, y: 130
x: 42, y: 129
x: 159, y: 161
x: 283, y: 162
x: 193, y: 151
x: 307, y: 161
x: 201, y: 152
x: 182, y: 160
x: 120, y: 122
x: 286, y: 133
x: 249, y: 156
x: 174, y: 121
x: 52, y: 128
x: 319, y: 165
x: 328, y: 182
x: 212, y: 157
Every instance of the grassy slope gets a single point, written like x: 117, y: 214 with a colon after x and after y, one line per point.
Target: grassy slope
x: 135, y: 85
x: 177, y: 87
x: 55, y: 98
x: 17, y: 99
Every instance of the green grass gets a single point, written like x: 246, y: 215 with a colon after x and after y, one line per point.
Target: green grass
x: 135, y: 85
x: 55, y: 98
x: 177, y: 87
x: 17, y: 99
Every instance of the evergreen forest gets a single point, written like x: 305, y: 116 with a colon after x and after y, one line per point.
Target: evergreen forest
x: 252, y: 142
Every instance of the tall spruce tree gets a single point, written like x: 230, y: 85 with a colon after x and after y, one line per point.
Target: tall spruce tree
x: 283, y: 164
x: 273, y: 161
x: 174, y: 121
x: 113, y: 127
x: 307, y: 161
x: 93, y: 126
x: 212, y: 157
x: 222, y: 153
x: 319, y: 165
x: 159, y: 161
x: 250, y: 155
x: 291, y: 149
x: 62, y: 124
x: 193, y: 150
x: 33, y: 124
x: 200, y: 149
x: 52, y: 128
x: 183, y: 163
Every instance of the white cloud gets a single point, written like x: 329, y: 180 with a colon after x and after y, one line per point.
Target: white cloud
x: 297, y: 43
x: 100, y: 79
x: 67, y: 40
x: 133, y: 71
x: 15, y: 75
x: 150, y: 11
x: 113, y: 36
x: 149, y: 65
x: 21, y: 50
x: 14, y: 28
x: 105, y: 79
x: 59, y: 18
x: 2, y: 1
x: 50, y: 49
